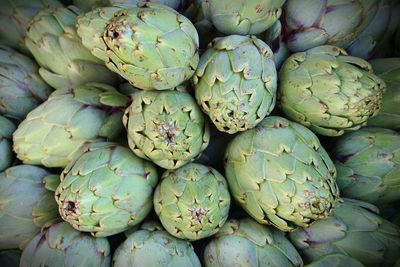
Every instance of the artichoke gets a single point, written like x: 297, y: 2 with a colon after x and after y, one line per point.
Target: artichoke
x: 274, y: 39
x: 281, y: 175
x: 368, y: 165
x: 106, y: 189
x: 335, y: 260
x: 6, y: 129
x: 313, y: 23
x: 150, y: 45
x: 152, y: 246
x: 192, y: 201
x: 243, y: 17
x: 328, y: 91
x: 245, y: 243
x: 61, y: 245
x: 21, y: 88
x: 166, y: 127
x: 91, y: 4
x: 65, y: 63
x: 388, y: 69
x: 10, y: 258
x: 235, y: 83
x: 52, y: 134
x: 26, y: 204
x: 15, y: 16
x: 354, y: 230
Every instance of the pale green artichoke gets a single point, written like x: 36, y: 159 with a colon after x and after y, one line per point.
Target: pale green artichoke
x: 21, y: 88
x: 7, y: 128
x: 368, y: 165
x: 152, y: 246
x: 91, y: 4
x: 54, y: 43
x: 52, y: 134
x: 328, y: 91
x: 281, y: 175
x: 355, y: 230
x: 15, y: 16
x: 388, y: 69
x: 192, y: 202
x: 150, y: 45
x: 335, y: 260
x: 10, y: 258
x: 26, y: 204
x: 242, y: 16
x: 166, y: 127
x: 235, y: 83
x: 311, y: 23
x: 62, y: 245
x: 106, y: 189
x: 245, y: 243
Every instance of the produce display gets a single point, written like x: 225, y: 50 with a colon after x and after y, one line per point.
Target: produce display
x: 189, y: 133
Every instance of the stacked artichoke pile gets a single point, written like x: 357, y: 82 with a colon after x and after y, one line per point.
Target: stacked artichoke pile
x: 211, y: 133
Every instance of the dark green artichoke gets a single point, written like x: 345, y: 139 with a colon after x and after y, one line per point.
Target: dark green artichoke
x: 150, y: 45
x: 328, y: 91
x: 236, y: 82
x: 368, y: 165
x: 166, y: 127
x: 281, y: 175
x: 26, y: 204
x: 7, y: 128
x: 192, y: 201
x: 52, y: 134
x: 62, y: 245
x: 245, y: 243
x: 64, y: 61
x: 21, y: 88
x: 106, y: 190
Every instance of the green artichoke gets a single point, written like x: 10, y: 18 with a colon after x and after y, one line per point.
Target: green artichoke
x: 311, y: 23
x: 52, y: 134
x: 150, y: 45
x: 368, y: 165
x: 26, y: 204
x: 388, y: 69
x: 21, y: 88
x: 245, y: 243
x: 61, y: 245
x: 243, y: 17
x: 152, y: 246
x: 281, y: 175
x: 10, y: 258
x: 166, y: 127
x: 335, y: 260
x: 353, y: 230
x: 106, y: 189
x: 65, y: 63
x: 235, y: 83
x: 15, y: 16
x: 328, y: 91
x: 6, y: 129
x: 192, y: 201
x: 91, y: 4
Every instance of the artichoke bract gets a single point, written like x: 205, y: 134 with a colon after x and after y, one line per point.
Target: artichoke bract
x: 87, y: 5
x: 7, y: 128
x: 26, y: 204
x: 328, y: 91
x: 335, y: 260
x: 243, y: 17
x: 354, y: 229
x: 313, y: 23
x: 388, y: 69
x: 15, y: 15
x: 150, y: 45
x: 62, y: 245
x: 245, y: 243
x: 54, y: 43
x: 21, y: 88
x: 53, y: 133
x: 106, y: 189
x: 236, y: 81
x: 192, y: 202
x: 368, y: 165
x: 166, y: 127
x: 152, y: 246
x: 281, y: 175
